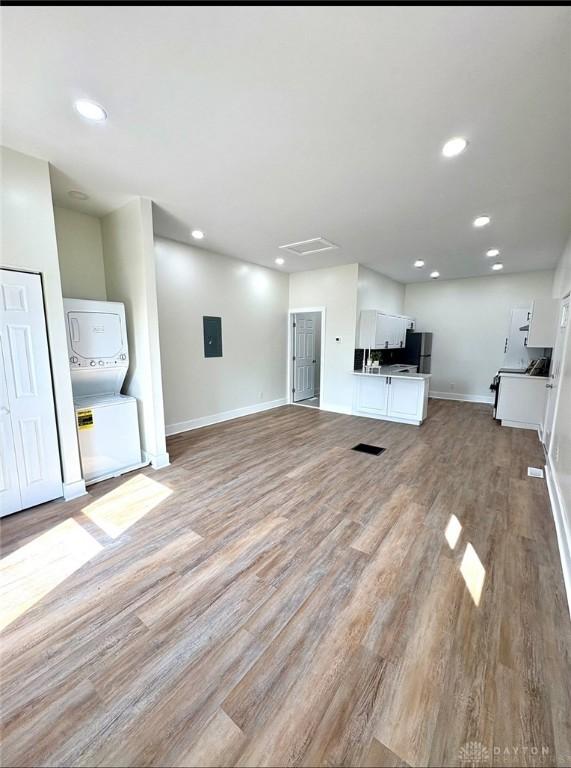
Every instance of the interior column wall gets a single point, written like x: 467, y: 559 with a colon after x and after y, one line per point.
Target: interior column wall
x: 130, y: 278
x: 29, y: 243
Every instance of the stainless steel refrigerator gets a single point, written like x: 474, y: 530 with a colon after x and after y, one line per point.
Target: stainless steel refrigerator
x: 417, y: 351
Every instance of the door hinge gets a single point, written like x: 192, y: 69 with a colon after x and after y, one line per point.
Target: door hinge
x: 294, y: 325
x: 293, y: 390
x: 293, y: 358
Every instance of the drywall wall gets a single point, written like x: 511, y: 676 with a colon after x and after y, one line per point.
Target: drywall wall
x: 336, y: 290
x: 29, y: 243
x: 562, y: 279
x: 80, y: 253
x: 376, y: 291
x: 469, y: 319
x: 252, y: 302
x: 560, y: 447
x: 127, y: 235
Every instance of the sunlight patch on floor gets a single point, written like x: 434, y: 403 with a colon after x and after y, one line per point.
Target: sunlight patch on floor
x: 453, y: 531
x: 473, y: 573
x: 33, y: 570
x: 117, y: 510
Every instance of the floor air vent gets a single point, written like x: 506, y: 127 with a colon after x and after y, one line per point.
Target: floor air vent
x: 534, y: 472
x: 374, y: 450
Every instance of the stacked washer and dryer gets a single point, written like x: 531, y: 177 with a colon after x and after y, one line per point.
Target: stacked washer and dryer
x: 107, y: 422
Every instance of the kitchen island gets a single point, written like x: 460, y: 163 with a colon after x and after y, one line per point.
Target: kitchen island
x: 392, y: 394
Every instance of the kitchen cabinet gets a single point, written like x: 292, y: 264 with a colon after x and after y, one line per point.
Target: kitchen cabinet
x: 373, y: 395
x: 405, y: 398
x: 380, y: 330
x: 402, y: 398
x: 542, y: 323
x: 521, y: 400
x: 515, y: 347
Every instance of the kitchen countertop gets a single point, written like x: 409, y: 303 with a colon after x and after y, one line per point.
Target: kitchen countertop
x: 387, y: 371
x: 520, y: 376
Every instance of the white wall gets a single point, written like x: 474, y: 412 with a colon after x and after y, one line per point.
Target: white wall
x: 80, y: 252
x: 469, y: 319
x: 29, y: 243
x: 336, y: 290
x: 252, y: 302
x: 376, y: 291
x: 130, y: 277
x: 562, y: 279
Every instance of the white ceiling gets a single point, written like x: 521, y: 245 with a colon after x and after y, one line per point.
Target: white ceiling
x: 268, y: 125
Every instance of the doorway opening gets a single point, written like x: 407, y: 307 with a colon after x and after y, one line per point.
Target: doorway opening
x: 306, y: 356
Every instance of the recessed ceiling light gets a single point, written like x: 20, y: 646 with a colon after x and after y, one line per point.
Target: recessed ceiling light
x: 279, y: 260
x: 198, y: 234
x: 497, y: 266
x: 419, y: 263
x: 76, y: 194
x: 493, y: 252
x: 454, y: 147
x: 481, y: 221
x: 434, y: 275
x: 91, y: 110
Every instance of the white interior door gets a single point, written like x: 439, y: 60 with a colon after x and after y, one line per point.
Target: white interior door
x: 29, y: 393
x: 10, y: 498
x: 555, y: 373
x: 304, y: 356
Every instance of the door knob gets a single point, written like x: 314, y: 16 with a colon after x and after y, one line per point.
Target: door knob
x: 3, y: 409
x: 549, y: 386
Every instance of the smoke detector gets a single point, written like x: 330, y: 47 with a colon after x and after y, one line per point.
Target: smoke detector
x: 315, y: 245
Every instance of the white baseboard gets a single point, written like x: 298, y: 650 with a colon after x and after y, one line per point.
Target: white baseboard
x: 216, y: 418
x: 157, y: 460
x: 336, y: 408
x: 521, y: 425
x: 561, y: 526
x: 488, y: 399
x: 74, y: 490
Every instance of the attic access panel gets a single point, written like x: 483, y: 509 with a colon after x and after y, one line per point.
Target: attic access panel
x: 212, y: 329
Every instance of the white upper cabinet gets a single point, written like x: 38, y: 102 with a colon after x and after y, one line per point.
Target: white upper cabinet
x: 542, y: 323
x: 379, y: 330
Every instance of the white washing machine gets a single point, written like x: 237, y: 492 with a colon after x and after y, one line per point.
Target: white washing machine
x: 108, y: 433
x: 107, y: 421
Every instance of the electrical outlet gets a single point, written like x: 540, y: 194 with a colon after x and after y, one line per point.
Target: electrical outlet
x: 452, y: 385
x: 261, y: 395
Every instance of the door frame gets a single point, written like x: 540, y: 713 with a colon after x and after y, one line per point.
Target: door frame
x: 564, y: 352
x: 290, y: 367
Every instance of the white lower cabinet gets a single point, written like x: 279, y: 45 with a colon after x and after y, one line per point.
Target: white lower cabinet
x: 373, y: 395
x: 405, y: 398
x: 395, y: 398
x: 521, y: 401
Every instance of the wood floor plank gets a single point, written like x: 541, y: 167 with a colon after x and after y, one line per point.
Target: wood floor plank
x: 289, y: 601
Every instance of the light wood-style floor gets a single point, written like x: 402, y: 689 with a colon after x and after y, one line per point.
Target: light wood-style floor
x: 274, y: 598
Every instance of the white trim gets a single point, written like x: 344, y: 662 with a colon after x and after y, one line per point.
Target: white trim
x: 561, y: 526
x: 74, y: 490
x: 289, y: 372
x: 157, y: 461
x: 216, y: 418
x: 336, y: 409
x: 488, y: 399
x: 118, y: 472
x: 522, y: 425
